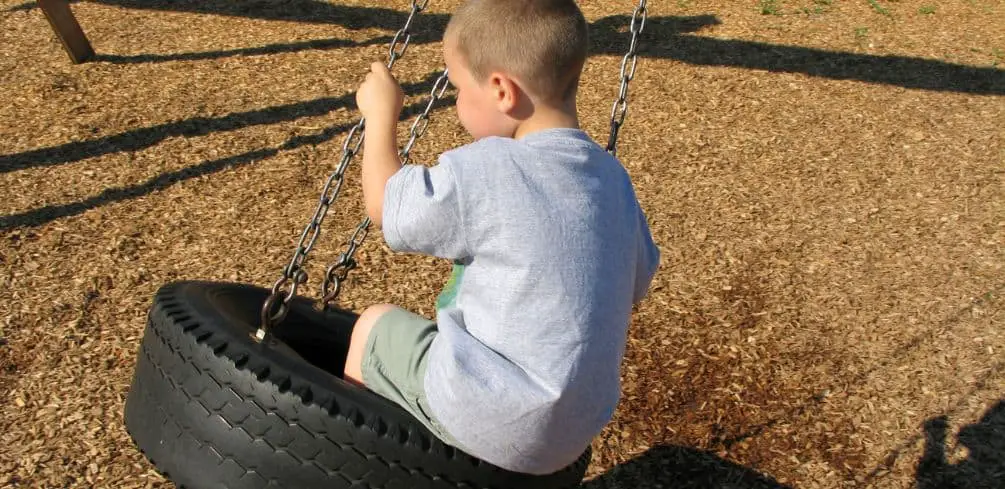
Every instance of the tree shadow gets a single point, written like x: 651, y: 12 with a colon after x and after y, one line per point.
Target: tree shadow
x: 984, y: 465
x: 667, y: 466
x: 40, y: 216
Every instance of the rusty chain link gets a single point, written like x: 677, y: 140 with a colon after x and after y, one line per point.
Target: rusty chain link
x: 276, y: 306
x: 628, y: 65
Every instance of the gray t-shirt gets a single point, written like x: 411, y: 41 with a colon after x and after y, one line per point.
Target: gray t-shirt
x: 551, y: 249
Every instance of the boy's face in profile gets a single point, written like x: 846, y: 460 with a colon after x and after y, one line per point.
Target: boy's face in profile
x: 477, y: 101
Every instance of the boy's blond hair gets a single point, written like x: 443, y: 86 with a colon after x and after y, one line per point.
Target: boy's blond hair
x: 542, y: 43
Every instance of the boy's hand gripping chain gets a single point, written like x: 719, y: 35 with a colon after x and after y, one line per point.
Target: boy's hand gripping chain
x: 276, y: 306
x: 628, y: 65
x: 339, y: 270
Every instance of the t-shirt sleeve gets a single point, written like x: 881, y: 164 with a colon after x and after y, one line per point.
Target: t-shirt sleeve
x: 648, y: 260
x: 422, y: 212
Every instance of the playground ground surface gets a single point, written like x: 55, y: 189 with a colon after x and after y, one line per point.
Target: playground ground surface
x: 824, y: 178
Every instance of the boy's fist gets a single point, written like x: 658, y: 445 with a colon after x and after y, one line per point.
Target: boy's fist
x: 380, y: 97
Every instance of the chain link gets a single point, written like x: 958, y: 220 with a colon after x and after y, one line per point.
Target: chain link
x: 399, y: 43
x: 339, y: 270
x: 628, y: 64
x: 422, y: 120
x: 276, y: 306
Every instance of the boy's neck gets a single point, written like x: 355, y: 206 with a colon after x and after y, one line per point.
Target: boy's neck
x: 548, y: 117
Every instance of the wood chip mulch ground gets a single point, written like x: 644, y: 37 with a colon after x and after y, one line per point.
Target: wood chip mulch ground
x: 825, y: 179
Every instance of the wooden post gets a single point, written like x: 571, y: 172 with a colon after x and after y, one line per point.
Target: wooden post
x: 67, y: 29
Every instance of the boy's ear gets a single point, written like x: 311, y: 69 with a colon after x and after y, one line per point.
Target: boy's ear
x: 505, y: 92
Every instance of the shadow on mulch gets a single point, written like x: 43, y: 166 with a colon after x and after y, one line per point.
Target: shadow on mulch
x: 664, y: 33
x: 317, y: 44
x: 684, y: 468
x: 665, y: 37
x: 142, y: 138
x: 984, y: 466
x: 812, y: 403
x: 666, y: 40
x: 146, y: 137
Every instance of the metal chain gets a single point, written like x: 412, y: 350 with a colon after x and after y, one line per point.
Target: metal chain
x: 276, y: 306
x: 422, y: 120
x: 339, y: 270
x: 628, y: 65
x: 404, y: 35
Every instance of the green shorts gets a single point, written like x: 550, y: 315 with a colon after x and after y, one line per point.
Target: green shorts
x: 394, y: 364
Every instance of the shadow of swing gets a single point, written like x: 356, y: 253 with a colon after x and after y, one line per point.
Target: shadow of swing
x: 678, y: 467
x: 667, y: 38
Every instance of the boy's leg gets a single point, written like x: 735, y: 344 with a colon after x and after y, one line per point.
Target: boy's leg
x: 357, y: 343
x: 387, y: 355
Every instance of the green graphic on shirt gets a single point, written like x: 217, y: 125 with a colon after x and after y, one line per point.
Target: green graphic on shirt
x: 448, y: 296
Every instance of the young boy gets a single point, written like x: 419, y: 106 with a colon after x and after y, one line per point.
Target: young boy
x: 549, y: 245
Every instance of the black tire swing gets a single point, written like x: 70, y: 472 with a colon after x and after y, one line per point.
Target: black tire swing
x: 222, y: 398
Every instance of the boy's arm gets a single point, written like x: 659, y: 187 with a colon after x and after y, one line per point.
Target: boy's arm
x: 379, y: 99
x: 380, y: 162
x: 422, y: 204
x: 422, y: 211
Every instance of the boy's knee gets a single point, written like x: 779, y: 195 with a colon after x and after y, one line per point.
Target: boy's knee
x: 360, y: 335
x: 370, y: 316
x: 365, y: 323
